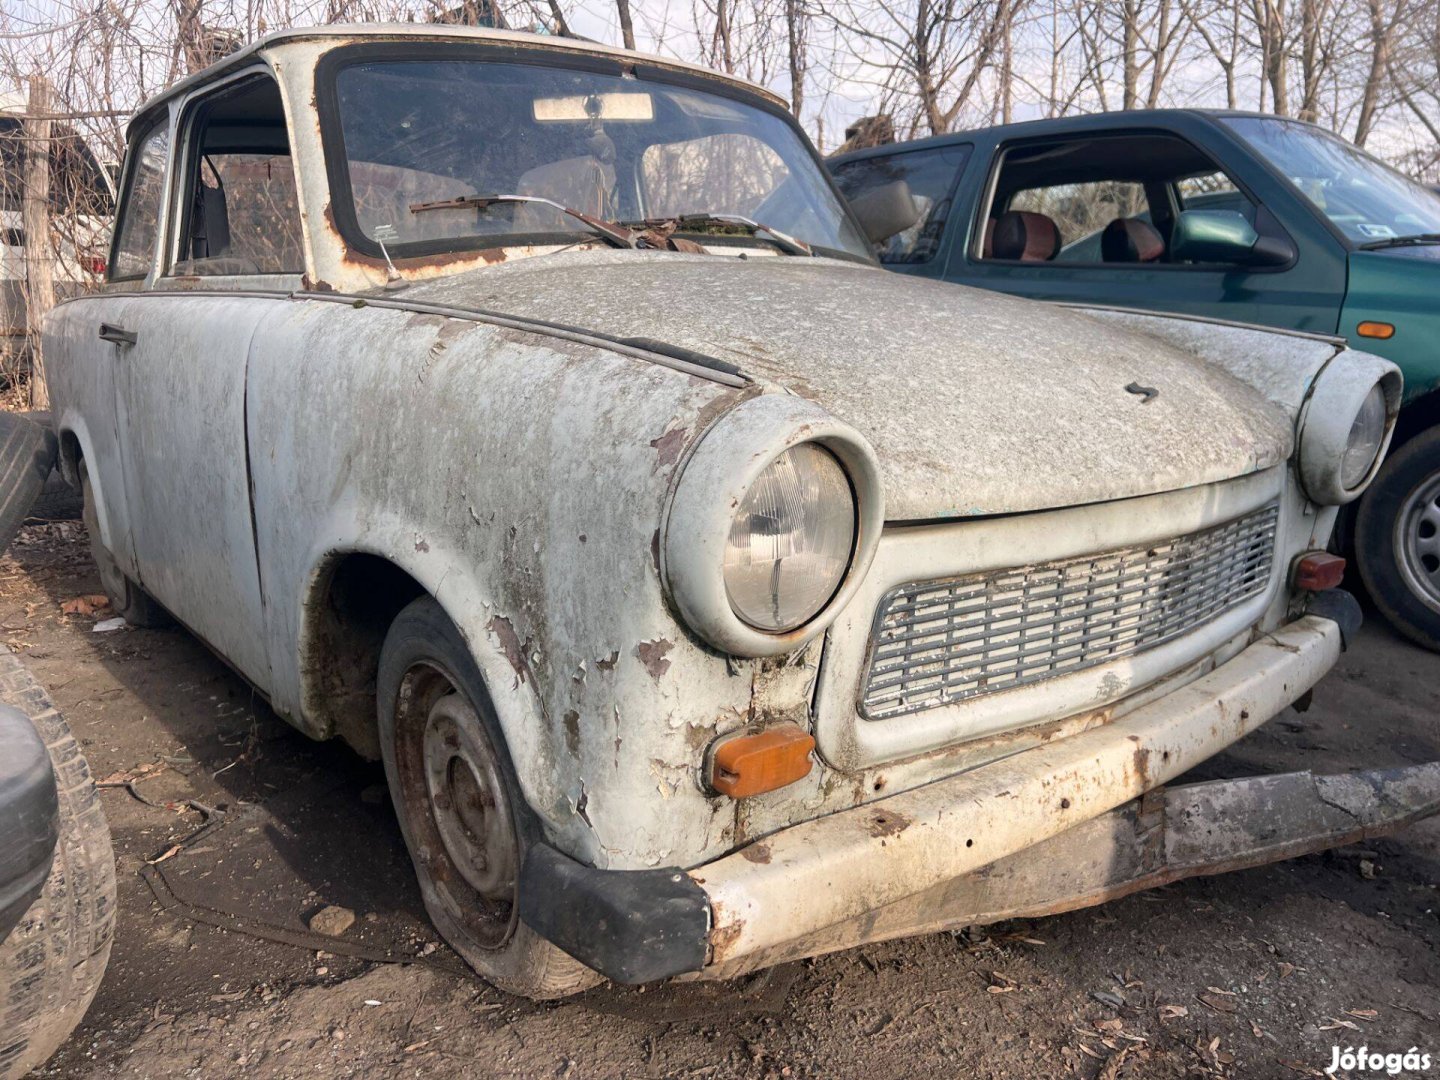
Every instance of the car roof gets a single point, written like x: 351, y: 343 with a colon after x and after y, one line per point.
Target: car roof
x: 1063, y: 125
x: 369, y: 32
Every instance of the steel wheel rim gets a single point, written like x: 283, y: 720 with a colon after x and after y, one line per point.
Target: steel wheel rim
x: 1417, y: 541
x: 446, y: 765
x: 467, y: 799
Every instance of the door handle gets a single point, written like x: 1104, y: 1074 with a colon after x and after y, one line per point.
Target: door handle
x: 118, y: 334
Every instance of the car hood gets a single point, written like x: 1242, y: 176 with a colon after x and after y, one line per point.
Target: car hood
x: 976, y: 403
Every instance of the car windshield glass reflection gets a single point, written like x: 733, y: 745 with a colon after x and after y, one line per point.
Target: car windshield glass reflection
x: 1367, y: 200
x: 610, y: 147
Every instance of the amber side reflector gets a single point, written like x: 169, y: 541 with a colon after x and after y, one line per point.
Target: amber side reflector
x: 750, y: 764
x: 1318, y: 571
x: 1381, y: 330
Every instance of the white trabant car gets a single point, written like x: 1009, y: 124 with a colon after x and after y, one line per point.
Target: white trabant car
x: 532, y: 415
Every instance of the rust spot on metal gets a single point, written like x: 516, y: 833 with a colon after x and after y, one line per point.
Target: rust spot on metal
x: 652, y: 655
x: 756, y: 853
x: 1142, y: 763
x: 723, y: 934
x: 668, y: 447
x: 572, y: 732
x: 882, y: 823
x: 510, y: 645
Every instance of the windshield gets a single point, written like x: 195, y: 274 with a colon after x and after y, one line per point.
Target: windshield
x: 610, y: 145
x: 1366, y: 199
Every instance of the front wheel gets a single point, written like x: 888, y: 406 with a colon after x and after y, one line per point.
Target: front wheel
x: 127, y: 598
x: 1397, y: 539
x: 464, y: 821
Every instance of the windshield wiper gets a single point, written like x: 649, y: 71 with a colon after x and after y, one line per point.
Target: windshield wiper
x: 1402, y: 241
x: 615, y: 234
x: 697, y: 223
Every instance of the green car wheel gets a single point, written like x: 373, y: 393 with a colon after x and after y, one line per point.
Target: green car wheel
x: 1397, y: 539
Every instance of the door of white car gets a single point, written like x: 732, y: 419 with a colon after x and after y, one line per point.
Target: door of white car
x: 89, y: 386
x: 238, y: 252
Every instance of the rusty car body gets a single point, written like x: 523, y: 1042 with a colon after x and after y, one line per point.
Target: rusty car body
x: 500, y: 487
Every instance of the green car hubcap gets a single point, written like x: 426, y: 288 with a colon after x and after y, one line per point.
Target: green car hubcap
x: 1417, y: 540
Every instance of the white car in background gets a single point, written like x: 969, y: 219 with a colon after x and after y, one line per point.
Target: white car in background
x: 82, y: 206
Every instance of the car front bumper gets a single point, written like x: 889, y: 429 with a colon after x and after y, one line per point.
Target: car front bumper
x: 1060, y: 826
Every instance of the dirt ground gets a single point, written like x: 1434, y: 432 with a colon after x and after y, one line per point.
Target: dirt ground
x: 1254, y: 974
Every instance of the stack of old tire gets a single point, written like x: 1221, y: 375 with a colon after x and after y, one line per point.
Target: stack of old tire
x: 57, y: 870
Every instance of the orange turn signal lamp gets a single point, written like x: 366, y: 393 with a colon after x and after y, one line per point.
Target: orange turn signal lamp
x: 763, y: 761
x: 1383, y: 331
x: 1317, y: 571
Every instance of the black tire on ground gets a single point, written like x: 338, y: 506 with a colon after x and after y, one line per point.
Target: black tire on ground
x: 58, y: 501
x: 27, y: 455
x: 430, y: 697
x: 52, y: 962
x: 1397, y: 539
x: 126, y: 597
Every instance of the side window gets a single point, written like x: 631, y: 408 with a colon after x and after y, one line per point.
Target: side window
x: 930, y: 175
x: 1213, y: 191
x: 240, y: 213
x: 1106, y: 199
x: 140, y: 215
x: 1081, y: 211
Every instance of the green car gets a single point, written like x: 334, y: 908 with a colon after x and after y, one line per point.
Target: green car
x: 1236, y: 216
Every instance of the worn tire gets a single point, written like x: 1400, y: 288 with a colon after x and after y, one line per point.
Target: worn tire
x: 52, y: 962
x: 1407, y: 474
x: 423, y: 643
x: 126, y: 597
x: 57, y: 501
x: 27, y: 455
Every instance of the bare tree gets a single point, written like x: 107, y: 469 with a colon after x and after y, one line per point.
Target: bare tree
x: 627, y: 27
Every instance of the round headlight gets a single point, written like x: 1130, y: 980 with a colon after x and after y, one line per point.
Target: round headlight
x: 1345, y: 425
x: 791, y: 540
x: 1366, y: 434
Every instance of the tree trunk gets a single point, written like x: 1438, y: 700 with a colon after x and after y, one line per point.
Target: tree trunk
x: 562, y: 28
x: 1380, y: 34
x: 795, y: 45
x: 627, y: 28
x: 35, y: 224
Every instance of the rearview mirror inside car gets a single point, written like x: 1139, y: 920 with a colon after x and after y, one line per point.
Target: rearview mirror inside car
x: 1225, y: 236
x: 886, y: 210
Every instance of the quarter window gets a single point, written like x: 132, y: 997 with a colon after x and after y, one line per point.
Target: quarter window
x: 140, y: 218
x: 930, y: 175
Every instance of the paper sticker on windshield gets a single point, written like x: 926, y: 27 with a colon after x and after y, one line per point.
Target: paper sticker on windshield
x: 619, y: 106
x: 1374, y: 232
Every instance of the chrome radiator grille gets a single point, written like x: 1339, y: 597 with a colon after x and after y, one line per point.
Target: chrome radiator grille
x: 939, y: 642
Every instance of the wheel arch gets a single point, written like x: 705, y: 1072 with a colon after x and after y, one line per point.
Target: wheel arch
x: 351, y: 599
x: 75, y: 449
x: 1416, y: 416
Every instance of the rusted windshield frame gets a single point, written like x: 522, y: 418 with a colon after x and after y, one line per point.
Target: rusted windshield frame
x: 342, y: 200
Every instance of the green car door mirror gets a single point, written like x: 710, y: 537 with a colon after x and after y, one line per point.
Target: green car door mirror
x: 1225, y: 236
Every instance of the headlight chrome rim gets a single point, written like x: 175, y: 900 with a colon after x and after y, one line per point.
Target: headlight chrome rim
x: 1332, y: 408
x: 711, y: 486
